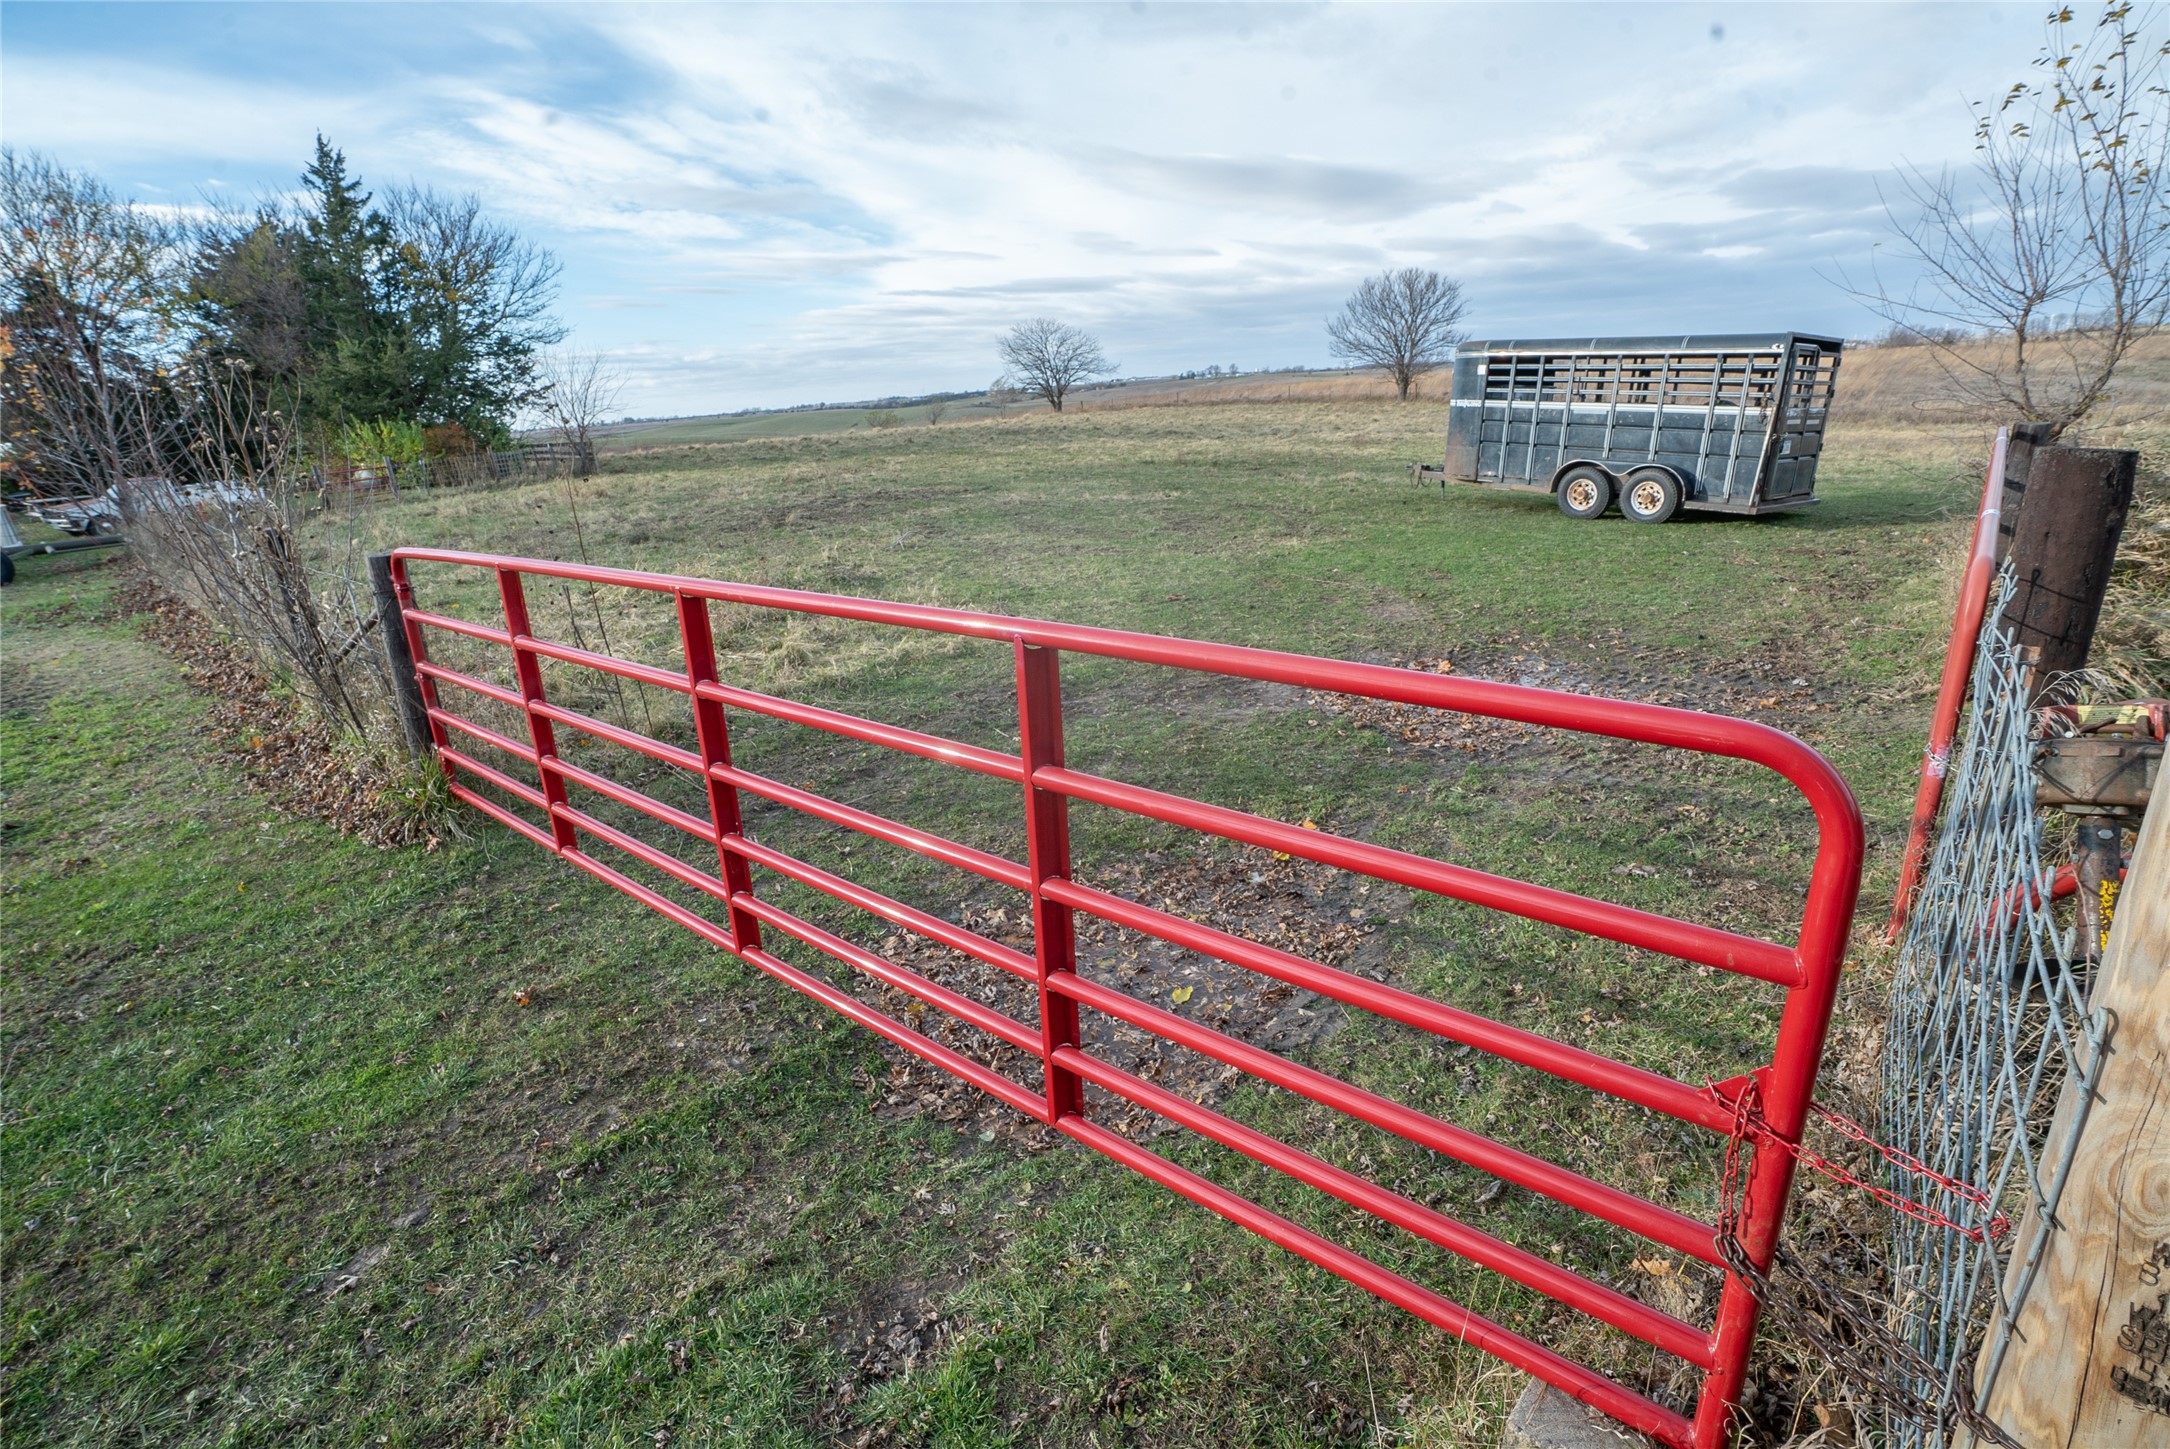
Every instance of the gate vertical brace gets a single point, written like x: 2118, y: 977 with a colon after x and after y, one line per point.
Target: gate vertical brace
x: 1785, y: 1092
x: 1047, y: 857
x: 527, y: 669
x: 698, y: 636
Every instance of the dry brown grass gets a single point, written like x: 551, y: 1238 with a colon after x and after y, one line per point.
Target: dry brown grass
x: 1267, y: 387
x: 1895, y: 387
x: 1913, y: 385
x: 2131, y: 656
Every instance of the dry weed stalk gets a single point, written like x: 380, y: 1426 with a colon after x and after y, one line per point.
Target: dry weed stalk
x: 230, y: 547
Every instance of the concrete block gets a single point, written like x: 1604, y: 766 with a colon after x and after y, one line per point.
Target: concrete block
x: 1545, y: 1418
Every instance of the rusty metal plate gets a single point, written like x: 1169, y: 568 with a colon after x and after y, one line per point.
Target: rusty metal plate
x: 2097, y: 772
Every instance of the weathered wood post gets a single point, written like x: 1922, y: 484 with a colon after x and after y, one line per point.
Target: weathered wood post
x: 392, y: 626
x: 2018, y: 458
x: 2063, y: 543
x: 2089, y: 1360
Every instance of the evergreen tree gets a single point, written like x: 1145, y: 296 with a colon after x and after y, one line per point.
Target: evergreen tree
x: 418, y: 309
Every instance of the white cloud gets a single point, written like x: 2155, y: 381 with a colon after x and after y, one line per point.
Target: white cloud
x: 765, y: 204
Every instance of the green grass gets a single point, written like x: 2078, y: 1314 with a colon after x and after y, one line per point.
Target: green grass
x: 307, y: 1142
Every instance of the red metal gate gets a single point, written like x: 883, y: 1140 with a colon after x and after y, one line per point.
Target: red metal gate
x: 1808, y: 969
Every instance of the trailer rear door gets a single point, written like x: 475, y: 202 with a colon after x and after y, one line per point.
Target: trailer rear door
x: 1809, y: 376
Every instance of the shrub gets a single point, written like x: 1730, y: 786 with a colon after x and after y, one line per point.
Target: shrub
x: 449, y: 440
x: 383, y: 439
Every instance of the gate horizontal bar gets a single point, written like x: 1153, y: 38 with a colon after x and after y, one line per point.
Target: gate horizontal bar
x: 1571, y: 1063
x: 874, y: 732
x: 509, y: 698
x: 643, y: 852
x: 605, y: 664
x: 1661, y: 1330
x: 957, y: 938
x: 1623, y: 1209
x: 995, y: 1023
x: 515, y: 788
x: 487, y: 736
x: 626, y: 739
x: 485, y: 632
x: 627, y: 796
x: 932, y: 846
x: 1746, y: 955
x: 1591, y: 1387
x: 490, y: 807
x: 993, y: 1083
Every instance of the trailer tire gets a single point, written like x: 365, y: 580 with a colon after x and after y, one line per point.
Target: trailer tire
x: 7, y: 568
x: 1584, y: 491
x: 1652, y: 495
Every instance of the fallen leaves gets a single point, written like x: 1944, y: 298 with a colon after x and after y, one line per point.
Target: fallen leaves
x: 292, y: 758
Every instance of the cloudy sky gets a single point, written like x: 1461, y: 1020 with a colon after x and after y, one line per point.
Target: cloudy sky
x: 767, y: 205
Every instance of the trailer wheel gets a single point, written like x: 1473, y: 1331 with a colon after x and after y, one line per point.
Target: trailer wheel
x: 7, y: 568
x: 1584, y: 492
x: 1652, y: 495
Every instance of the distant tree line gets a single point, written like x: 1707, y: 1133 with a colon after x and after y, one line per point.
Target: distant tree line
x: 333, y: 317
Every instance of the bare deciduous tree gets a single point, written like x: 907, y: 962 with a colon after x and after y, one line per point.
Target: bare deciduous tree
x: 1406, y: 322
x: 1048, y: 358
x: 477, y: 298
x: 85, y: 279
x: 577, y: 391
x: 2052, y: 257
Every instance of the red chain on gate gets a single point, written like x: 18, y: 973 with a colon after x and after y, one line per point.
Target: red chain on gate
x: 1748, y: 1121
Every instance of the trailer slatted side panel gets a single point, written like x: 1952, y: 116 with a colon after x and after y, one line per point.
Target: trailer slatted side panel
x: 1739, y: 420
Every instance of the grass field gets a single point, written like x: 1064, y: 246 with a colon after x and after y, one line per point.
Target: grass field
x: 312, y: 1143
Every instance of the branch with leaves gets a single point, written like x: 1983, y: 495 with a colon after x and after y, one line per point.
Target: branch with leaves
x: 2040, y: 267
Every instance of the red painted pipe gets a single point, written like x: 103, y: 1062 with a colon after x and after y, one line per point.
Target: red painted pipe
x: 1966, y: 631
x: 1808, y: 969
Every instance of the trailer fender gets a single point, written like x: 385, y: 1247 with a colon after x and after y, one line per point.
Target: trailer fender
x: 1573, y: 463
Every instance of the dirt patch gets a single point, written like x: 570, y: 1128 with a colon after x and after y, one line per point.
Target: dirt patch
x: 886, y: 1335
x: 294, y: 760
x: 1301, y: 907
x: 1781, y: 691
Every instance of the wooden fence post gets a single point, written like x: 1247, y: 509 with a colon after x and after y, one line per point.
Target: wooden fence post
x: 2063, y: 544
x: 392, y: 625
x: 2088, y: 1366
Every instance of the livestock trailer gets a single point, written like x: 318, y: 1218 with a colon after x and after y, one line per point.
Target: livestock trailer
x: 1729, y: 424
